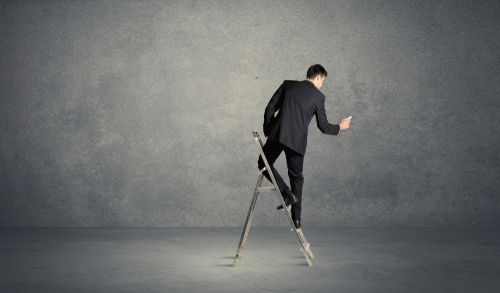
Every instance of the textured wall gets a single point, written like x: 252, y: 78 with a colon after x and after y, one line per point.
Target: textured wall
x: 139, y: 113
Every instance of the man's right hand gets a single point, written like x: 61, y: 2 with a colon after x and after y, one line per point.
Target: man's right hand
x: 345, y: 123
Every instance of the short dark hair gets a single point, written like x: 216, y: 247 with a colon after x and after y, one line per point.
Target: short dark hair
x: 316, y: 69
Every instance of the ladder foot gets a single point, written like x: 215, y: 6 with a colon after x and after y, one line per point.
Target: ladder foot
x: 312, y: 256
x: 239, y: 257
x: 234, y: 264
x: 311, y: 264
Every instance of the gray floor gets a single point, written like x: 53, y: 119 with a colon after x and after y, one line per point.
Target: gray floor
x: 200, y: 260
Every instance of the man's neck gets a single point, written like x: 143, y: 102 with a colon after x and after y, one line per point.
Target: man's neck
x: 311, y: 81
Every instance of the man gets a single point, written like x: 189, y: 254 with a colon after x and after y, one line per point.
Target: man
x: 297, y: 102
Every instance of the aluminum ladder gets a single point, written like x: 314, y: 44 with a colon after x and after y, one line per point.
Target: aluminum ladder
x: 304, y: 245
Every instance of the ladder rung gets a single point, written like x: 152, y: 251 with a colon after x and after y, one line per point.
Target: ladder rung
x: 266, y: 188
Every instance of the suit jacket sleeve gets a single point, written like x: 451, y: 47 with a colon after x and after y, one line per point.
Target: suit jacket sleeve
x: 274, y: 105
x: 322, y: 121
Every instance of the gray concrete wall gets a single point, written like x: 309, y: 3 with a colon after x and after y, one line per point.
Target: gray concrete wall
x: 139, y: 113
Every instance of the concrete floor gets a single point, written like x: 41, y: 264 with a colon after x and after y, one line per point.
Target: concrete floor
x: 200, y: 260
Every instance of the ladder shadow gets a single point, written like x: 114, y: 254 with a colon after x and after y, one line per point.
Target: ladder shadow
x: 302, y: 264
x: 225, y: 265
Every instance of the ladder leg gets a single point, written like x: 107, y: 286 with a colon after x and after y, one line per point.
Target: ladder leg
x: 248, y: 222
x: 306, y: 244
x: 302, y: 244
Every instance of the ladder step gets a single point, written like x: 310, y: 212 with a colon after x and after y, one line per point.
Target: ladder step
x: 266, y: 188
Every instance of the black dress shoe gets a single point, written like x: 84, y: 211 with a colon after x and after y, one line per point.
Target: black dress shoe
x: 297, y: 224
x: 289, y: 201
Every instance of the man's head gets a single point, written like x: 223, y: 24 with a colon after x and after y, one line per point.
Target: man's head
x: 316, y: 74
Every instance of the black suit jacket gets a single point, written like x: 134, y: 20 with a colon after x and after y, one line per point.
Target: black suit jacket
x: 297, y: 102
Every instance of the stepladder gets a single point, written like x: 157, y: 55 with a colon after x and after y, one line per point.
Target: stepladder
x: 304, y: 245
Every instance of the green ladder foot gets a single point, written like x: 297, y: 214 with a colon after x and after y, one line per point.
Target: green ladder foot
x: 311, y: 264
x: 234, y: 264
x: 312, y: 256
x: 239, y: 257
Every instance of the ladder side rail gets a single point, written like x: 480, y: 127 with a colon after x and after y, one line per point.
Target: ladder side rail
x: 248, y: 222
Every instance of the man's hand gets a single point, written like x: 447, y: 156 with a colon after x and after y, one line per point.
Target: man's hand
x: 345, y: 123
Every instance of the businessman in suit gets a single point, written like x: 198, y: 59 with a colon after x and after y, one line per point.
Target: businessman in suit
x: 297, y: 102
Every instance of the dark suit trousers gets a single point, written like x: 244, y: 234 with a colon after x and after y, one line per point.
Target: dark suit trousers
x: 294, y: 162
